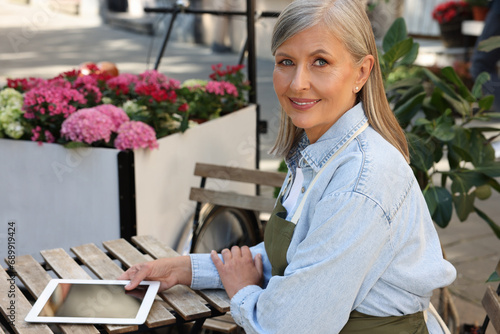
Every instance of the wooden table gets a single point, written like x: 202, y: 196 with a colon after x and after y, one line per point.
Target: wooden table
x: 172, y: 307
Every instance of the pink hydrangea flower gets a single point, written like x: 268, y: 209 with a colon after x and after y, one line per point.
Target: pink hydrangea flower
x: 221, y: 88
x: 87, y: 125
x: 121, y: 83
x: 89, y: 87
x: 52, y: 99
x: 153, y: 76
x: 117, y: 115
x: 135, y: 134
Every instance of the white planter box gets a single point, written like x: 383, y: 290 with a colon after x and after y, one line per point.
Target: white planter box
x: 164, y: 177
x: 56, y: 196
x: 62, y: 197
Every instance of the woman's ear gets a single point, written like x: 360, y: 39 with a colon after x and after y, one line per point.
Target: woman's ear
x: 364, y: 70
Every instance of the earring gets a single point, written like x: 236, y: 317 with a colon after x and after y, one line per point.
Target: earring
x: 357, y: 88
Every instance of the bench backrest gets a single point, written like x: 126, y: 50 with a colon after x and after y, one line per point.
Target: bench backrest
x: 231, y: 199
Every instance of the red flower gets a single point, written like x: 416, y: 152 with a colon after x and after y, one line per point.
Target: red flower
x: 451, y: 10
x: 183, y: 107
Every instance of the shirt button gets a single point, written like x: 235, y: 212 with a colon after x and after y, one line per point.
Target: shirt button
x: 303, y: 189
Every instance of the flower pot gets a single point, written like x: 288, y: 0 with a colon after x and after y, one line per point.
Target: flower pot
x: 62, y: 197
x: 452, y: 37
x: 479, y: 13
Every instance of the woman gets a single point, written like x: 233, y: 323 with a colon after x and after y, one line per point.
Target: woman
x: 351, y: 247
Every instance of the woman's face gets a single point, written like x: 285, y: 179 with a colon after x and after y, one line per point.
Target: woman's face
x: 315, y: 80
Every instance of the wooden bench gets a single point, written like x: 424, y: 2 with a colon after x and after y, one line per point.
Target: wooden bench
x: 173, y: 307
x: 491, y: 304
x: 230, y: 199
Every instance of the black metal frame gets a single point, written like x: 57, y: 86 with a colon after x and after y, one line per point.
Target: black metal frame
x: 126, y: 193
x: 128, y: 219
x: 249, y: 48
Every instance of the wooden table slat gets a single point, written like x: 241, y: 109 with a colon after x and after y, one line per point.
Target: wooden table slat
x: 32, y: 274
x: 65, y: 267
x: 216, y: 298
x: 104, y: 268
x: 97, y: 261
x: 152, y: 246
x: 22, y: 307
x: 35, y: 278
x: 184, y: 300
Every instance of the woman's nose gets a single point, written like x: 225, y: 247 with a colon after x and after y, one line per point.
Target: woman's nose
x: 301, y: 79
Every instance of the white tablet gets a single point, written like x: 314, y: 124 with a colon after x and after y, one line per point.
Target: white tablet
x: 93, y: 302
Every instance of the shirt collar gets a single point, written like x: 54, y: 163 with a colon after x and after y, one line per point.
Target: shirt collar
x: 317, y: 154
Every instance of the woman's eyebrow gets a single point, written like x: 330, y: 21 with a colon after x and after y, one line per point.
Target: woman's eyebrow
x: 319, y: 51
x: 282, y: 54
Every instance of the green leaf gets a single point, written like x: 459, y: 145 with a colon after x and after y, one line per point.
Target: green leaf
x: 406, y: 111
x: 75, y: 144
x: 480, y: 149
x: 494, y: 184
x: 458, y: 148
x: 493, y: 277
x: 452, y: 76
x: 408, y: 82
x: 447, y: 90
x: 443, y: 127
x: 489, y: 44
x: 439, y: 201
x: 396, y: 33
x: 493, y: 225
x: 444, y: 132
x: 486, y: 103
x: 422, y: 121
x: 462, y: 192
x: 411, y: 56
x: 420, y: 154
x: 477, y: 89
x: 491, y: 168
x: 399, y: 50
x: 492, y: 115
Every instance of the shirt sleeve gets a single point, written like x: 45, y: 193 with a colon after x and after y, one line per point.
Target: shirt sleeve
x: 206, y: 276
x: 348, y: 236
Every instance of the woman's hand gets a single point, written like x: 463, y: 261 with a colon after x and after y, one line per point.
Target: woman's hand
x: 169, y: 271
x: 239, y: 269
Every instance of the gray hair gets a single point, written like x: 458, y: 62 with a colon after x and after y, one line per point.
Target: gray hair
x: 347, y: 21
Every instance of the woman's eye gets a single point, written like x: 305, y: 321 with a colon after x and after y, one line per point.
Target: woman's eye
x: 286, y: 62
x: 320, y: 62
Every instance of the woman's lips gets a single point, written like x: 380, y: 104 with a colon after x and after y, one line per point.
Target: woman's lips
x: 303, y: 104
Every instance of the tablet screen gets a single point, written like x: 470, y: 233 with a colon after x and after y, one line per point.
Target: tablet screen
x: 93, y: 301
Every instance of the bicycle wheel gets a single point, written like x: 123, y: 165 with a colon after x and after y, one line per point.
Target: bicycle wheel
x: 223, y: 227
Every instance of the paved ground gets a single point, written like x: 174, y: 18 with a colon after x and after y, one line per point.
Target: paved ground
x: 34, y: 41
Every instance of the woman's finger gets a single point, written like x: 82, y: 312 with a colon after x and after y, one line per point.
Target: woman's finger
x: 226, y: 254
x: 136, y: 275
x: 245, y: 251
x: 216, y: 259
x: 236, y: 251
x: 259, y: 264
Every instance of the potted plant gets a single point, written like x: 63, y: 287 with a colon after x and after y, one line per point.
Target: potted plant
x: 441, y: 116
x: 480, y: 8
x: 450, y: 16
x: 449, y: 139
x: 91, y: 149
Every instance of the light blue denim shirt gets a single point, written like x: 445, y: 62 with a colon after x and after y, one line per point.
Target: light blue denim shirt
x: 365, y: 241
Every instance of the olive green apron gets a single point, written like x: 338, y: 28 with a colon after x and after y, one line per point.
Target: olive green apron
x: 277, y: 237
